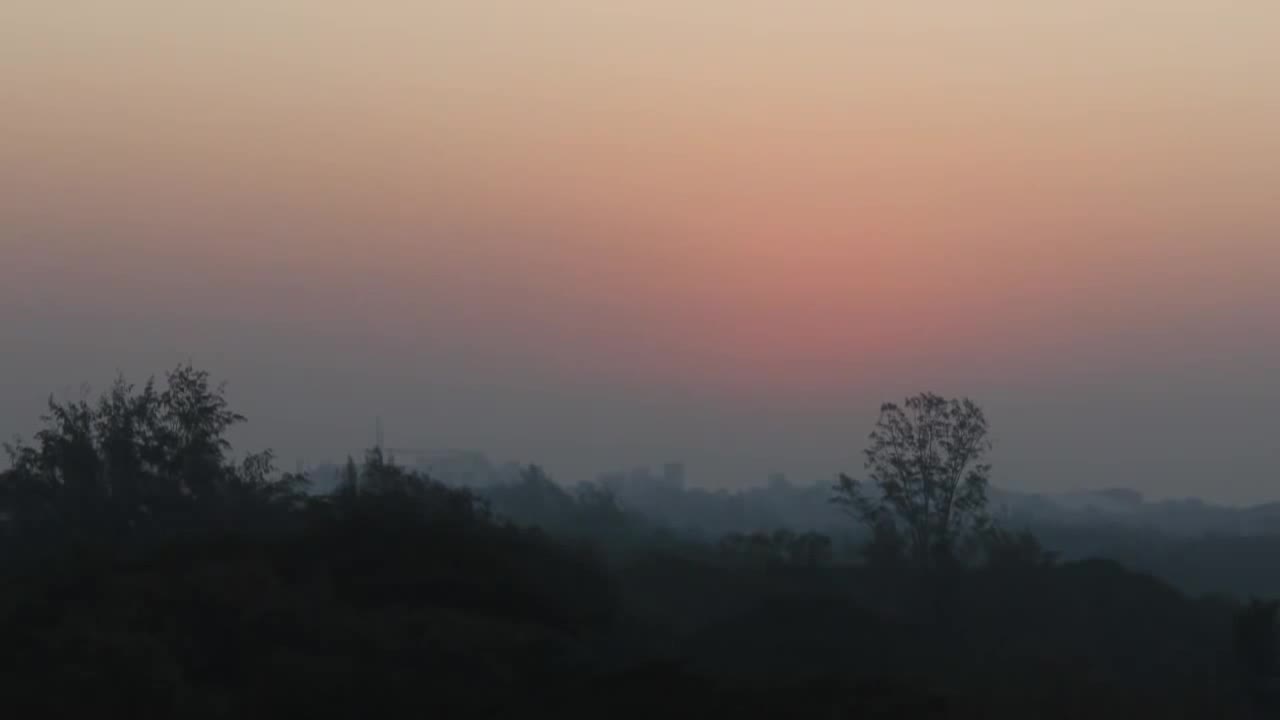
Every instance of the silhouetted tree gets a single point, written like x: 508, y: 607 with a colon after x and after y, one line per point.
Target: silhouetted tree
x: 447, y: 612
x: 194, y: 422
x: 814, y: 549
x: 349, y: 482
x: 382, y: 476
x: 535, y: 499
x: 136, y: 455
x: 1006, y: 549
x: 253, y: 483
x: 59, y: 481
x: 68, y: 455
x: 126, y: 429
x: 926, y: 465
x: 29, y: 503
x: 886, y: 548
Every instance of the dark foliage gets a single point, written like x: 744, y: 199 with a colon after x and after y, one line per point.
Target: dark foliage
x: 146, y: 573
x: 926, y: 465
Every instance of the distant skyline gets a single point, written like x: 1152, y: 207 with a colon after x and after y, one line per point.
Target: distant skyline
x: 594, y: 235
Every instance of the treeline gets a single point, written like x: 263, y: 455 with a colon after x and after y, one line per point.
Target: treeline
x: 147, y: 571
x: 1196, y: 563
x: 141, y: 460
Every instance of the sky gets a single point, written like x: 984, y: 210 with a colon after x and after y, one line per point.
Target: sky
x: 594, y: 235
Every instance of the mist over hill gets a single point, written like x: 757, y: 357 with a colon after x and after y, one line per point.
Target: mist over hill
x: 1196, y: 545
x: 670, y: 493
x: 146, y: 566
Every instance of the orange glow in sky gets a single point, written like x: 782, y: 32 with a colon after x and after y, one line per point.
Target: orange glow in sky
x: 762, y: 199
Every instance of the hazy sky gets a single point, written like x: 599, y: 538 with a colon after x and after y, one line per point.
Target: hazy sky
x: 595, y: 234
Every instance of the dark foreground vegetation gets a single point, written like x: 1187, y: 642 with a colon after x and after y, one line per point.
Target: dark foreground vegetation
x: 145, y: 574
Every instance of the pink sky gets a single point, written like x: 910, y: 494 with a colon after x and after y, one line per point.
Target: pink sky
x: 786, y: 209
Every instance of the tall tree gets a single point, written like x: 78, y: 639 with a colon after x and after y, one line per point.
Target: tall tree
x: 125, y: 426
x: 134, y: 455
x: 928, y: 475
x: 68, y: 455
x: 349, y: 482
x: 196, y: 417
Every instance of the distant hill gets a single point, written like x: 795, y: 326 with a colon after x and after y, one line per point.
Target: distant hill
x: 1128, y: 508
